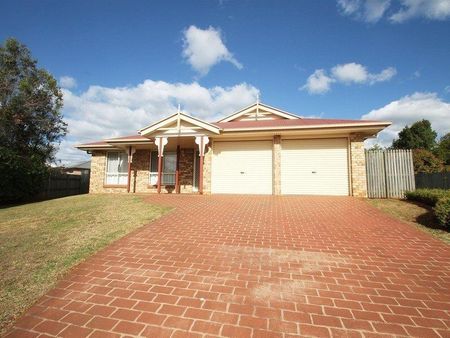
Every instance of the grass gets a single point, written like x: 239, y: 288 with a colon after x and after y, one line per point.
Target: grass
x: 41, y: 241
x: 417, y: 214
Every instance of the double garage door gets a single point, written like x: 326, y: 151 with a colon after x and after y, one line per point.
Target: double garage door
x: 308, y: 167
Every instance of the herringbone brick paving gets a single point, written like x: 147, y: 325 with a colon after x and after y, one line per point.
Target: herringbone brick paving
x: 242, y: 266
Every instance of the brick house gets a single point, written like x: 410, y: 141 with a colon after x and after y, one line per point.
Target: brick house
x: 257, y: 150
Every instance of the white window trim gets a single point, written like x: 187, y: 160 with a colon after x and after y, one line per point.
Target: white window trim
x: 167, y: 178
x: 118, y: 174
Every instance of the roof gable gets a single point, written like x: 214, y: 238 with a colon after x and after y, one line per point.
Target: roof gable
x: 259, y: 112
x: 177, y: 124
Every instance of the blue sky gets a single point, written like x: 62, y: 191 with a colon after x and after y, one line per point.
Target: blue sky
x: 126, y: 64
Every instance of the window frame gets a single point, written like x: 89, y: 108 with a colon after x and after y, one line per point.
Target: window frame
x: 119, y: 174
x: 153, y: 175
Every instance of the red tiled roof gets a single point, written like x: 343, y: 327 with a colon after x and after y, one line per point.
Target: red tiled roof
x: 132, y: 137
x: 286, y: 123
x: 96, y: 143
x: 115, y: 139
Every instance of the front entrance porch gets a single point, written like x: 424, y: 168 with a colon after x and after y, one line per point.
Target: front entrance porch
x: 172, y: 165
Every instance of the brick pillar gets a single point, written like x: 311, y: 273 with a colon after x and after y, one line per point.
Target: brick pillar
x: 98, y: 164
x: 276, y: 165
x: 207, y: 168
x: 358, y: 166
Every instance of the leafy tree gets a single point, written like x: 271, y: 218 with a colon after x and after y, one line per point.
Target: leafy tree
x: 376, y: 147
x: 443, y: 149
x: 419, y: 136
x: 426, y: 162
x: 30, y: 121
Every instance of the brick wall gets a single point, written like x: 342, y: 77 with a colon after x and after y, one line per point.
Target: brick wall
x: 276, y: 165
x: 207, y: 168
x: 186, y: 170
x: 358, y: 166
x: 140, y: 173
x: 97, y: 179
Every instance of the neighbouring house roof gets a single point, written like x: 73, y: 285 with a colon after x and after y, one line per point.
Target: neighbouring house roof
x: 244, y: 120
x: 79, y: 165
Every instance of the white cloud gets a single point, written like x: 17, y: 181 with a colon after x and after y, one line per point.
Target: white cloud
x: 399, y: 11
x: 204, y: 48
x: 103, y: 112
x: 408, y: 110
x: 447, y: 89
x: 319, y: 82
x: 365, y: 10
x: 350, y: 72
x: 67, y: 82
x: 430, y: 9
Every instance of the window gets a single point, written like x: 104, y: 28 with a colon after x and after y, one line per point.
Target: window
x: 117, y: 168
x: 169, y: 168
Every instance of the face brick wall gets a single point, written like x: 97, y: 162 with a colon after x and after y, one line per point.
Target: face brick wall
x: 141, y: 170
x: 207, y: 168
x: 98, y: 167
x: 358, y: 166
x: 140, y: 173
x: 276, y: 165
x: 186, y: 170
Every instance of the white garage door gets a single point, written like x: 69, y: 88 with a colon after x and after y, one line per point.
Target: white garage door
x: 242, y: 167
x: 314, y: 167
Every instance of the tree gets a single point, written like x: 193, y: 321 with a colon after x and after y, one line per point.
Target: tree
x: 443, y: 149
x: 376, y: 147
x: 31, y: 122
x: 419, y: 136
x: 426, y: 162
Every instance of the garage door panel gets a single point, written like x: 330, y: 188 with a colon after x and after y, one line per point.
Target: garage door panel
x: 314, y: 167
x: 242, y: 167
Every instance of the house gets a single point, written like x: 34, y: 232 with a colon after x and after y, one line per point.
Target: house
x: 256, y: 150
x: 80, y: 168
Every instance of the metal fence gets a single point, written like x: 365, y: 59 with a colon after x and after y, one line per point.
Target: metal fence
x: 62, y: 184
x: 433, y: 180
x: 389, y: 173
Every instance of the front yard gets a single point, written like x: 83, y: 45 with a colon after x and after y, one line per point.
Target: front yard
x: 41, y: 241
x: 416, y: 214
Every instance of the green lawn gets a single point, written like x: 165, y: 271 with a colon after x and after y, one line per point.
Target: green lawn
x: 416, y: 214
x: 41, y: 241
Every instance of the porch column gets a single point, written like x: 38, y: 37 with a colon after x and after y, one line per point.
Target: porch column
x: 202, y: 141
x: 160, y: 142
x: 131, y: 151
x: 177, y: 172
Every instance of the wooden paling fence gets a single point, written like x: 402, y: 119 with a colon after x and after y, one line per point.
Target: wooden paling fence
x: 389, y: 173
x: 62, y: 184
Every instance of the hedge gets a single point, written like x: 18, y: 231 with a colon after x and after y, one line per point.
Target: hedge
x: 427, y: 196
x: 442, y: 212
x: 439, y: 199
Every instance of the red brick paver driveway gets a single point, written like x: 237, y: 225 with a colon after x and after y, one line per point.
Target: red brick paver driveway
x: 239, y: 266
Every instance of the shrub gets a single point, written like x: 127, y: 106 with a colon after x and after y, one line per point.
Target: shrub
x: 442, y: 211
x: 427, y: 196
